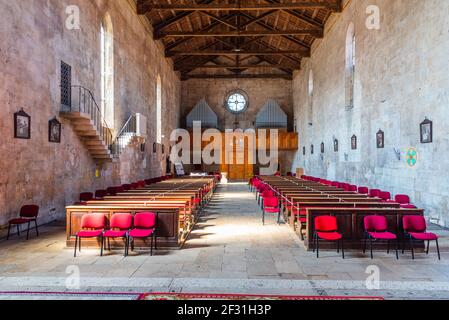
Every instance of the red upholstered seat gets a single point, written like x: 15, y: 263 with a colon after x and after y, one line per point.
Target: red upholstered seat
x: 385, y: 195
x: 115, y: 234
x: 19, y: 221
x: 408, y: 206
x: 415, y: 228
x: 424, y: 236
x: 141, y: 233
x: 28, y: 214
x: 329, y: 236
x: 89, y: 233
x: 112, y: 191
x: 100, y: 194
x: 383, y: 235
x: 353, y: 188
x: 402, y: 199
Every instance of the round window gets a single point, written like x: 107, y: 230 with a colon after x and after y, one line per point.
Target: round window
x: 236, y: 101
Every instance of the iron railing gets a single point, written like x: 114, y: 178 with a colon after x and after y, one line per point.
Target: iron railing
x: 83, y: 101
x: 124, y: 136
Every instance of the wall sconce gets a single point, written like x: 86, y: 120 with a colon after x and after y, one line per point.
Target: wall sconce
x: 346, y: 157
x: 322, y: 157
x: 397, y: 153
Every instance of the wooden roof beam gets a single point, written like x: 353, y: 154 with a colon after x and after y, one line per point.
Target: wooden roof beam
x: 301, y: 53
x: 310, y: 32
x: 143, y: 6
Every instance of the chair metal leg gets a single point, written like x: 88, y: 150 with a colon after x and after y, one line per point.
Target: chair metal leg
x: 76, y: 245
x: 101, y: 249
x: 28, y: 230
x: 371, y: 247
x: 397, y: 249
x: 317, y: 247
x: 79, y: 244
x: 338, y: 246
x: 388, y: 247
x: 35, y: 226
x: 342, y: 248
x: 18, y: 230
x: 428, y: 246
x: 413, y: 249
x: 438, y: 249
x: 364, y: 244
x: 9, y: 232
x: 151, y: 245
x: 263, y: 217
x: 155, y: 242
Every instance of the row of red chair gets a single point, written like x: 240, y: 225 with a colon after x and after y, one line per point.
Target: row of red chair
x: 122, y: 225
x: 376, y: 229
x: 266, y: 198
x: 112, y: 191
x: 402, y: 199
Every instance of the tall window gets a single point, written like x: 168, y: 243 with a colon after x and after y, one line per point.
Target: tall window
x: 350, y: 66
x: 107, y: 71
x: 310, y: 94
x: 159, y: 110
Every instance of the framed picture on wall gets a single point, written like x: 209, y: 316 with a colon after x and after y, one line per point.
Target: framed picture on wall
x: 426, y: 131
x: 22, y: 125
x: 380, y: 139
x: 142, y: 147
x: 322, y: 147
x: 354, y: 142
x: 335, y: 145
x: 163, y: 149
x: 303, y: 151
x: 311, y: 149
x: 54, y: 131
x: 155, y: 147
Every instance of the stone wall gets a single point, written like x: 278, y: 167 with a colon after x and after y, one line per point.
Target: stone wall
x: 259, y: 91
x: 400, y: 79
x: 52, y: 175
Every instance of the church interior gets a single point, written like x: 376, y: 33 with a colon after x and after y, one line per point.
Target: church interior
x: 326, y: 116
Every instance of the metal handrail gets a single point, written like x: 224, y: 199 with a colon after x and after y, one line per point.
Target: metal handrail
x: 122, y: 138
x: 87, y: 104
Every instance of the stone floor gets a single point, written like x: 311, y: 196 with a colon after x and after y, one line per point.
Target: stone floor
x: 228, y: 252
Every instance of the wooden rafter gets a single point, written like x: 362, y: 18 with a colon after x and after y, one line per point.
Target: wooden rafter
x: 143, y: 6
x: 310, y: 32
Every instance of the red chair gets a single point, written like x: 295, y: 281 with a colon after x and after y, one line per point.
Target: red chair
x: 27, y: 215
x: 268, y: 193
x: 144, y: 228
x: 404, y: 201
x: 92, y: 226
x: 271, y: 205
x: 86, y: 196
x: 376, y: 230
x: 112, y: 191
x: 385, y: 196
x: 100, y: 194
x: 326, y: 229
x: 353, y: 188
x: 415, y: 228
x: 363, y: 190
x: 335, y: 184
x: 119, y: 189
x: 127, y: 187
x: 120, y: 225
x: 374, y: 193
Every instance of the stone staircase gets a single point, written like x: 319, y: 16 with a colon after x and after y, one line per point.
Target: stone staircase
x: 89, y: 125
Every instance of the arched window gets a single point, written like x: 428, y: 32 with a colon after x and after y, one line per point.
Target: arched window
x: 350, y: 66
x: 107, y: 71
x: 310, y: 93
x: 159, y: 110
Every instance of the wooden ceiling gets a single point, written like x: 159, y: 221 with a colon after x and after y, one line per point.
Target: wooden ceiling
x: 237, y: 38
